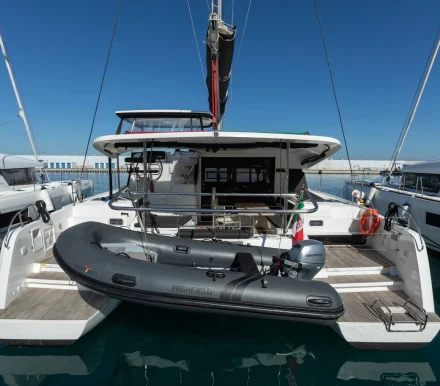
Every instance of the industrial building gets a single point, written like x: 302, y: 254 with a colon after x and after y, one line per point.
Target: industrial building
x: 75, y: 161
x: 100, y: 162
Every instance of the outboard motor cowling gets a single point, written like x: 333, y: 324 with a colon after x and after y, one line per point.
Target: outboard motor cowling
x: 306, y: 259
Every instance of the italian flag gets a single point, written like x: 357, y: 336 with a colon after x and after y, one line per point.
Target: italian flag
x: 297, y: 227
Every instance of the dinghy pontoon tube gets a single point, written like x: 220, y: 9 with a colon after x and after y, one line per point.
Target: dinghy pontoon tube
x: 210, y: 276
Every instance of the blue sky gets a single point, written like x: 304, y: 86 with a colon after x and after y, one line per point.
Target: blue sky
x: 377, y: 48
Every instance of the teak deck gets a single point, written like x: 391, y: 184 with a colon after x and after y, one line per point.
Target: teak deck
x: 54, y: 304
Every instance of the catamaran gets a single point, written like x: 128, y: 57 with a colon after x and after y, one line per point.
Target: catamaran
x: 221, y: 222
x: 210, y: 186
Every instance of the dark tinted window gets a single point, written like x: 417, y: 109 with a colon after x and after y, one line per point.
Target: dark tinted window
x: 15, y: 177
x: 433, y: 219
x: 5, y: 218
x: 429, y: 182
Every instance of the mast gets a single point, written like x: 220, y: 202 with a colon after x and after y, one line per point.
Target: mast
x: 419, y: 96
x: 22, y: 111
x: 220, y: 50
x: 219, y: 8
x: 220, y: 14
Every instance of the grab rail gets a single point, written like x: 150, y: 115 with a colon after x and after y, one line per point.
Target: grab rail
x: 416, y: 226
x: 77, y: 192
x: 220, y: 211
x: 389, y: 318
x: 11, y: 224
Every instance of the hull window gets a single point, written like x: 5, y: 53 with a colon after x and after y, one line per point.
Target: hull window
x: 433, y: 219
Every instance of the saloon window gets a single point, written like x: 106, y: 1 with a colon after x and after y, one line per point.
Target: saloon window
x: 14, y: 177
x: 429, y: 182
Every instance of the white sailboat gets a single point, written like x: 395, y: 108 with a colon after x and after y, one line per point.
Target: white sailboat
x: 417, y: 191
x: 20, y: 188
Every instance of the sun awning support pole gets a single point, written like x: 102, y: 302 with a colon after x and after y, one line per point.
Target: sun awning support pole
x: 286, y: 187
x: 110, y: 178
x: 213, y: 44
x: 118, y: 170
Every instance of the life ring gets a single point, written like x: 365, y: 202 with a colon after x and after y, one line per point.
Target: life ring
x: 370, y: 221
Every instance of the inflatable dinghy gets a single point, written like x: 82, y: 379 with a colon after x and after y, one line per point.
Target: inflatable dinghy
x: 209, y: 276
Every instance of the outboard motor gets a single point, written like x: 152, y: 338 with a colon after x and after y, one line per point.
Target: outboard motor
x: 310, y: 255
x: 303, y: 261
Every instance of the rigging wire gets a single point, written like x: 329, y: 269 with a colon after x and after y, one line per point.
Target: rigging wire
x: 9, y: 120
x: 231, y: 7
x: 102, y: 83
x: 197, y: 44
x: 238, y: 55
x: 395, y: 152
x: 244, y: 29
x: 333, y: 85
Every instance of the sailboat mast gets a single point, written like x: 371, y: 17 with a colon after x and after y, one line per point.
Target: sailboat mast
x: 219, y: 9
x: 220, y: 50
x: 419, y: 96
x: 220, y: 14
x: 22, y: 111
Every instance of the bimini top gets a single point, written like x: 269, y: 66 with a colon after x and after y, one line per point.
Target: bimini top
x: 307, y: 150
x: 432, y: 167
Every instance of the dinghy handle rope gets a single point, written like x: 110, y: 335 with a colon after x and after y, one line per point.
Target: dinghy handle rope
x: 41, y: 209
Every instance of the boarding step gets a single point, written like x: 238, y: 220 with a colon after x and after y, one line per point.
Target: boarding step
x: 380, y: 306
x: 48, y: 265
x: 47, y: 279
x: 360, y: 283
x: 408, y: 316
x: 54, y: 317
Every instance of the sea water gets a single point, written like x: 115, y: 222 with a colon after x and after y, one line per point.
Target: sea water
x: 139, y: 345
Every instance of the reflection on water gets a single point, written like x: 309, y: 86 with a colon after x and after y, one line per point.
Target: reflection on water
x: 144, y: 346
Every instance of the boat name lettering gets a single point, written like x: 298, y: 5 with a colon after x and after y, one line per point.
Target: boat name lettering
x: 193, y: 290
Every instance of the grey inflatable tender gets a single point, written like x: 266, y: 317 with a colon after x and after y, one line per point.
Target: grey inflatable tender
x: 208, y: 276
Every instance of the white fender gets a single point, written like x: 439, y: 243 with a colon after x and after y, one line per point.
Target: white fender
x: 370, y: 196
x: 45, y: 196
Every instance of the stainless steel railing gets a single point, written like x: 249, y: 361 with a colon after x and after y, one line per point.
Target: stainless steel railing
x: 416, y: 227
x: 176, y: 209
x: 13, y: 226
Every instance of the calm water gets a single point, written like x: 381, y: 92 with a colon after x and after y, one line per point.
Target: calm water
x: 142, y: 346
